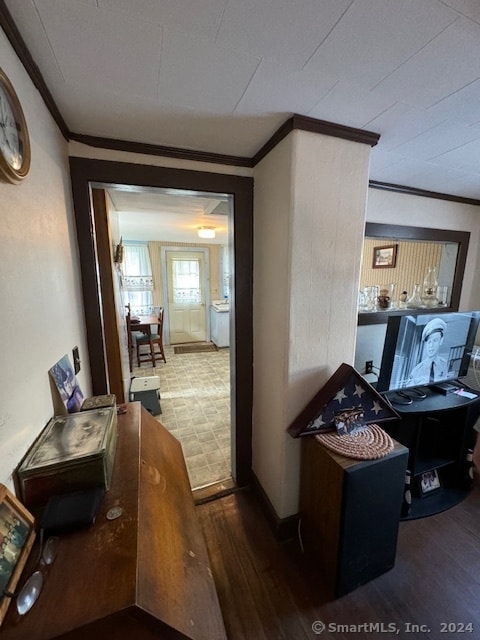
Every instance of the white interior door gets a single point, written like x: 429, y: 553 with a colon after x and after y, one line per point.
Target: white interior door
x: 186, y: 296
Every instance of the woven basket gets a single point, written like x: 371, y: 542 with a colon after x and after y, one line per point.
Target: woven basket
x: 369, y: 444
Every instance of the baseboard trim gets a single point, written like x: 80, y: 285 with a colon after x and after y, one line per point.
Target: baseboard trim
x: 215, y: 491
x: 282, y: 528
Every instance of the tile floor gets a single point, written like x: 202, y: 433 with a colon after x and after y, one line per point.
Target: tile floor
x: 195, y: 401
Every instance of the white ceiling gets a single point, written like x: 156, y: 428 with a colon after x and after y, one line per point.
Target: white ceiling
x: 180, y: 216
x: 222, y: 75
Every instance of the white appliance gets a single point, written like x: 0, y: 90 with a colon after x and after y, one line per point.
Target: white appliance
x: 220, y: 323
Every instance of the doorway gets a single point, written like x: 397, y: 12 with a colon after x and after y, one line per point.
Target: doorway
x: 160, y: 267
x: 186, y: 293
x: 96, y: 259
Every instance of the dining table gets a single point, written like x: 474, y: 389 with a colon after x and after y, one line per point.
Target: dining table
x: 143, y: 324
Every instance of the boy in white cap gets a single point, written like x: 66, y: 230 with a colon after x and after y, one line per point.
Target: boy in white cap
x: 433, y: 367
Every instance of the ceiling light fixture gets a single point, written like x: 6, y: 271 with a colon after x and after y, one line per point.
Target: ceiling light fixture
x: 206, y: 232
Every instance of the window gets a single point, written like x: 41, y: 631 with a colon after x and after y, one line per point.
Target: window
x: 186, y: 281
x: 137, y: 279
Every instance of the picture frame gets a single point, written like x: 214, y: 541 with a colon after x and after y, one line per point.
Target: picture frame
x: 428, y: 483
x: 385, y: 257
x: 67, y: 395
x: 17, y: 535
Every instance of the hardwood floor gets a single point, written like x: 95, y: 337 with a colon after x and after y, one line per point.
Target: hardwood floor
x: 268, y: 590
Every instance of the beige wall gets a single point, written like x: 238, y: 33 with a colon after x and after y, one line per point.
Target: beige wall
x: 309, y: 223
x: 41, y: 304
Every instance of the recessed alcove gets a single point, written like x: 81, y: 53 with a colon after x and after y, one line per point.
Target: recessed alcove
x: 372, y: 325
x: 423, y: 244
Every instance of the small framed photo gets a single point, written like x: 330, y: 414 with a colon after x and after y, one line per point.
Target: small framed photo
x: 385, y: 257
x: 429, y: 482
x: 17, y: 534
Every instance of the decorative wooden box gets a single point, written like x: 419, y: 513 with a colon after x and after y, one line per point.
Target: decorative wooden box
x: 73, y: 452
x: 99, y: 402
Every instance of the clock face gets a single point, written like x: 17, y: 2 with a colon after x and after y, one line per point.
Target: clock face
x: 9, y: 141
x: 14, y: 139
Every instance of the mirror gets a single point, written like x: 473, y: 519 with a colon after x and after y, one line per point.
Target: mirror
x: 397, y: 258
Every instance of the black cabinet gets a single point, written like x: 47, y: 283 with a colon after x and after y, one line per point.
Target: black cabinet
x: 350, y: 513
x: 438, y: 432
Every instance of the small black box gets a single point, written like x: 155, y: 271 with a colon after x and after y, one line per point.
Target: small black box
x: 445, y: 387
x: 71, y: 511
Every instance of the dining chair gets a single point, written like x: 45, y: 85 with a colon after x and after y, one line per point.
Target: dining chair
x: 152, y: 340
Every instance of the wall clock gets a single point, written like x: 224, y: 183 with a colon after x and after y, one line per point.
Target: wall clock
x: 14, y: 138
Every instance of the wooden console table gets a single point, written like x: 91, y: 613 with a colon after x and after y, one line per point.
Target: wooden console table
x: 144, y: 575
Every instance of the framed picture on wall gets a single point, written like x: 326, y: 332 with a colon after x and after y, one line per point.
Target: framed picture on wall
x: 17, y: 534
x: 385, y: 257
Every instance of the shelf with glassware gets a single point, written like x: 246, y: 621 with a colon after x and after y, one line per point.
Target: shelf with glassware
x: 383, y: 299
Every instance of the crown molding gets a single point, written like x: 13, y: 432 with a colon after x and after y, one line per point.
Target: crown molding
x: 159, y: 150
x: 304, y: 123
x: 335, y: 130
x: 13, y: 34
x: 413, y: 191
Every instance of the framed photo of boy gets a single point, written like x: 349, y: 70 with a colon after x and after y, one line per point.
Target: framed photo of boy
x: 17, y: 534
x: 385, y: 257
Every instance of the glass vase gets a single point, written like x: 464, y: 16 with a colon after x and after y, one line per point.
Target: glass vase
x: 415, y: 301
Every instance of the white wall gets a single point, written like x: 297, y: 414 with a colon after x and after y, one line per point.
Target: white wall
x: 41, y: 305
x: 416, y: 211
x: 310, y: 194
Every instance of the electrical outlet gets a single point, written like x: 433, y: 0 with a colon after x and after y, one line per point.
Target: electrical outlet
x: 76, y: 359
x: 369, y: 366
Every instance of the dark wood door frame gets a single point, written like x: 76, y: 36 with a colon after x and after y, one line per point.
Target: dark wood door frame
x: 88, y: 173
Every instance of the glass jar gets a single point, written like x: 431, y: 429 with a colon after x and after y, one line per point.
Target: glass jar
x: 385, y: 296
x: 442, y: 295
x: 402, y: 300
x: 429, y: 291
x: 370, y: 298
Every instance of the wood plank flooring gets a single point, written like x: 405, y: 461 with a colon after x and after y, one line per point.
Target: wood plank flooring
x: 269, y: 591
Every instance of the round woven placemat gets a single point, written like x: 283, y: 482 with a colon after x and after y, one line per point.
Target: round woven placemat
x: 369, y: 444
